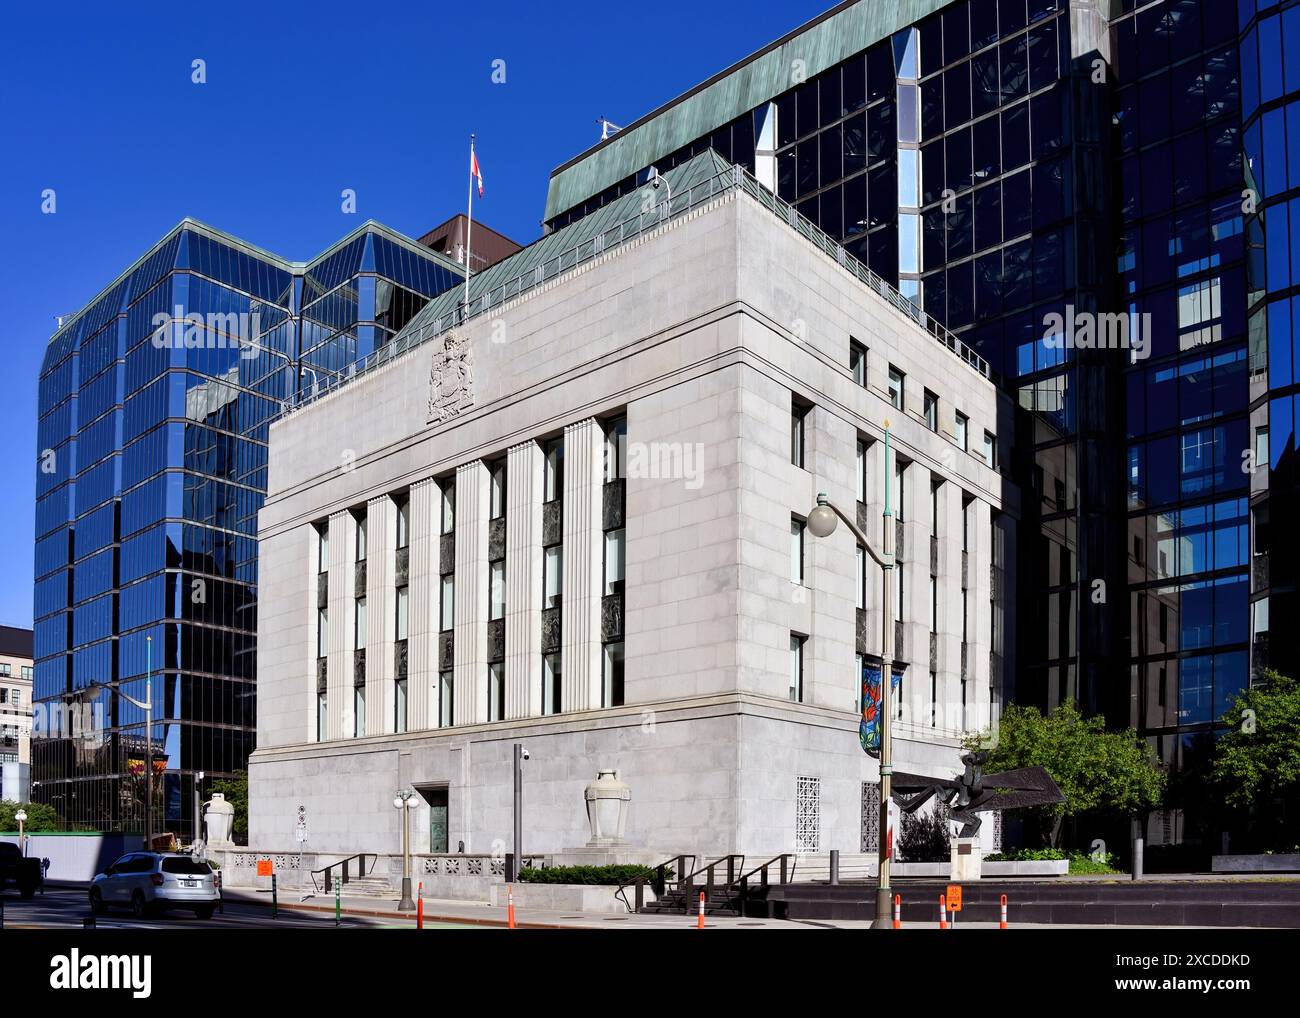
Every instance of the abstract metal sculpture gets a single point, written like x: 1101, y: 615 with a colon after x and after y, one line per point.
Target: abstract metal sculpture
x: 975, y: 792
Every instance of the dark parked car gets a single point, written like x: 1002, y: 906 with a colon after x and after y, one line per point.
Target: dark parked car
x: 16, y: 871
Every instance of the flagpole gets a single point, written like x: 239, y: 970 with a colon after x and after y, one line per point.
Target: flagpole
x: 469, y: 228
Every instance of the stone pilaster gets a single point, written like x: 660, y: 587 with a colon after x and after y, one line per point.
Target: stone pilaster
x: 341, y: 640
x: 524, y: 491
x: 424, y: 582
x: 979, y: 618
x: 583, y: 562
x: 916, y: 583
x: 471, y: 593
x: 949, y: 623
x: 381, y: 601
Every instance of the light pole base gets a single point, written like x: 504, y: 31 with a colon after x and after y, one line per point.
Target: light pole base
x: 884, y: 910
x: 406, y: 904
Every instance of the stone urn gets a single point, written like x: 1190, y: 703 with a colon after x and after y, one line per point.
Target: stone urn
x: 219, y: 818
x: 607, y: 798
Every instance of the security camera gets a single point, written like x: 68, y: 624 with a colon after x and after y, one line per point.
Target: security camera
x: 524, y: 754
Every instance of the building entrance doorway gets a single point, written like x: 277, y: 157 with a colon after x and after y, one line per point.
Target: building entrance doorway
x: 436, y: 797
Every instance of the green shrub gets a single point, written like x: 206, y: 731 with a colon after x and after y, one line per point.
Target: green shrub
x: 601, y: 875
x: 1081, y: 864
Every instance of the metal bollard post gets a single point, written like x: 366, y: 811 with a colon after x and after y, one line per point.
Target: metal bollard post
x: 221, y: 895
x: 275, y: 897
x: 835, y: 867
x: 338, y: 901
x: 2, y: 912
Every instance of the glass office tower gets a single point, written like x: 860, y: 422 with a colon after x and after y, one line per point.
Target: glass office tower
x: 1006, y: 161
x: 154, y: 407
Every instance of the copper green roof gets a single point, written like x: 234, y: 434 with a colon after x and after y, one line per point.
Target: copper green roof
x: 822, y: 43
x: 523, y: 264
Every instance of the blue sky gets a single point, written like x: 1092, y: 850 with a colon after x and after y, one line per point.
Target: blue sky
x: 301, y: 101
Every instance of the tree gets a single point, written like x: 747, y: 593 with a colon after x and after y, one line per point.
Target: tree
x: 1098, y: 772
x: 1256, y: 767
x: 236, y: 792
x: 40, y: 817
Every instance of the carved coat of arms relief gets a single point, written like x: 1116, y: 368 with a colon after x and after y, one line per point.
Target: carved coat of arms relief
x: 451, y: 377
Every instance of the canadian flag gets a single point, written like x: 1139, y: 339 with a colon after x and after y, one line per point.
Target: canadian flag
x: 475, y: 173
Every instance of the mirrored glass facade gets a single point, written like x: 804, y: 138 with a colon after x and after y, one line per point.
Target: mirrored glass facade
x: 154, y: 407
x: 1010, y: 164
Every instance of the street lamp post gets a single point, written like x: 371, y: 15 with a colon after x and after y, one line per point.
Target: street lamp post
x: 521, y: 755
x: 405, y: 801
x: 822, y: 521
x: 21, y: 817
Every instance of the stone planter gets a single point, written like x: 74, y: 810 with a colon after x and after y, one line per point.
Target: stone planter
x: 566, y: 897
x: 1255, y: 863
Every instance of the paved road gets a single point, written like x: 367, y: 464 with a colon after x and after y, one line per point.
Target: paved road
x: 66, y: 907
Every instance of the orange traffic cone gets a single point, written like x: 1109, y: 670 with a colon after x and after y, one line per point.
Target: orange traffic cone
x: 510, y: 906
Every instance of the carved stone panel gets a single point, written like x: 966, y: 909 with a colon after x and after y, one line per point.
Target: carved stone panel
x: 614, y: 498
x: 497, y: 539
x: 900, y: 651
x: 496, y: 640
x: 359, y: 576
x: 403, y: 566
x: 359, y: 667
x: 447, y: 554
x: 934, y: 556
x: 399, y: 659
x: 550, y: 630
x: 862, y: 630
x: 934, y: 653
x: 446, y: 650
x: 451, y: 377
x: 611, y: 617
x: 552, y: 523
x: 900, y: 546
x: 322, y: 590
x: 322, y: 674
x: 862, y: 518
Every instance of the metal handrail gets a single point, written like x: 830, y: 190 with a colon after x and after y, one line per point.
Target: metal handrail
x: 657, y: 878
x: 345, y: 863
x: 733, y: 862
x: 734, y: 178
x: 787, y: 875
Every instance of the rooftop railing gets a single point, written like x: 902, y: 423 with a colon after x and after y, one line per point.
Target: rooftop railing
x: 733, y: 178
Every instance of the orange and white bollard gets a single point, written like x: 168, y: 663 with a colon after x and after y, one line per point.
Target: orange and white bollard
x: 699, y: 922
x: 943, y: 912
x: 1003, y: 924
x: 898, y: 911
x: 419, y: 907
x: 510, y: 906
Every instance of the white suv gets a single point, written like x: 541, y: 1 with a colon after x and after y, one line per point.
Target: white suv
x: 151, y: 882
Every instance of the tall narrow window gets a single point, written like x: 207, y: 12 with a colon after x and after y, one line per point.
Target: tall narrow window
x: 361, y: 537
x: 554, y: 475
x: 858, y: 362
x: 359, y: 633
x: 497, y: 489
x: 552, y: 576
x: 862, y: 576
x: 496, y: 691
x: 403, y: 620
x: 399, y: 707
x: 796, y: 550
x: 448, y: 506
x: 323, y: 560
x: 861, y: 470
x: 798, y: 423
x: 497, y: 591
x: 612, y: 675
x: 796, y: 668
x: 934, y: 510
x: 322, y: 715
x: 614, y: 560
x: 931, y: 410
x: 448, y: 608
x: 322, y: 631
x: 898, y: 592
x: 934, y: 700
x: 358, y: 711
x: 934, y: 604
x: 615, y: 449
x: 990, y: 449
x: 959, y: 435
x: 551, y: 684
x: 403, y: 521
x: 900, y: 696
x: 896, y: 387
x: 446, y: 699
x: 900, y: 477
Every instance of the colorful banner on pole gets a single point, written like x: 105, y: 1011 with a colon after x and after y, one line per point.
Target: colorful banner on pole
x: 869, y: 728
